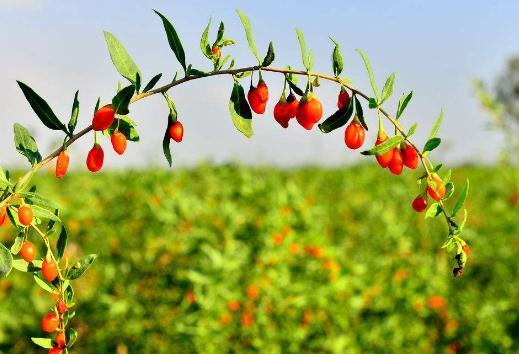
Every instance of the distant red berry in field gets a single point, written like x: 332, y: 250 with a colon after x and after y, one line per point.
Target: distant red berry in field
x: 103, y: 118
x: 438, y: 192
x: 95, y: 158
x: 277, y: 238
x: 252, y: 292
x: 385, y: 158
x: 50, y: 322
x: 28, y: 251
x: 119, y: 142
x: 191, y: 297
x: 233, y: 305
x: 176, y: 131
x: 216, y: 51
x: 62, y: 164
x: 437, y: 302
x: 49, y: 270
x: 354, y: 135
x: 292, y: 105
x: 419, y: 204
x: 396, y: 165
x: 55, y: 350
x: 309, y: 111
x: 410, y: 157
x: 225, y: 318
x: 60, y: 340
x: 293, y: 248
x: 247, y: 320
x: 25, y: 215
x: 343, y: 99
x: 61, y: 306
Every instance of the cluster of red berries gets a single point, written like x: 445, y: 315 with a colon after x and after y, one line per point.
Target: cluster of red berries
x: 51, y: 323
x: 435, y: 189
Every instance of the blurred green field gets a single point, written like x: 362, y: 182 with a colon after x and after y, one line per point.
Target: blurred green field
x: 335, y: 261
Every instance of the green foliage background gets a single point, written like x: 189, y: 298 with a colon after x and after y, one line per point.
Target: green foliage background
x: 212, y: 230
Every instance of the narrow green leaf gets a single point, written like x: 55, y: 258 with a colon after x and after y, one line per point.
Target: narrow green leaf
x: 74, y: 114
x: 165, y: 146
x: 240, y: 111
x: 436, y: 125
x: 17, y: 244
x: 137, y: 83
x: 173, y: 40
x: 6, y: 261
x: 23, y: 266
x: 150, y: 85
x: 269, y: 58
x: 25, y: 144
x: 338, y: 119
x: 81, y: 267
x: 45, y: 343
x: 461, y: 199
x: 387, y: 90
x: 38, y: 199
x: 43, y: 284
x: 302, y: 45
x: 434, y: 210
x: 294, y: 87
x: 204, y: 42
x: 41, y: 108
x: 370, y: 74
x: 248, y: 32
x: 432, y: 144
x: 122, y: 99
x: 402, y: 103
x: 62, y: 242
x: 360, y: 112
x: 449, y: 190
x: 126, y: 126
x: 43, y: 213
x: 337, y: 59
x: 412, y: 130
x: 385, y: 146
x: 120, y: 58
x: 72, y: 337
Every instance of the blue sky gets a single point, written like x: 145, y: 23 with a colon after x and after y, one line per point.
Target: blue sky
x: 435, y: 48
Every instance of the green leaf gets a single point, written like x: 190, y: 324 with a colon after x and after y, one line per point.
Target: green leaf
x: 23, y: 266
x: 240, y: 111
x: 402, y: 103
x: 204, y: 42
x: 120, y: 58
x: 360, y: 112
x: 62, y: 242
x: 248, y: 32
x: 26, y: 145
x: 432, y: 144
x: 412, y: 130
x: 337, y: 60
x: 122, y: 99
x: 38, y: 199
x: 43, y: 213
x: 436, y: 125
x: 81, y: 267
x: 370, y: 74
x: 43, y: 284
x: 43, y: 342
x: 17, y: 244
x: 72, y: 337
x: 6, y: 261
x: 150, y: 85
x: 173, y: 40
x: 294, y: 87
x: 137, y: 83
x: 338, y: 119
x: 387, y: 90
x: 449, y: 190
x: 126, y: 127
x: 434, y: 210
x: 165, y: 146
x: 302, y: 45
x: 385, y: 146
x: 461, y: 199
x: 75, y: 113
x: 41, y: 108
x: 269, y: 58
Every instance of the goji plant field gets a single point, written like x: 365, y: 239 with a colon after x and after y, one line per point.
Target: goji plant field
x: 232, y: 259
